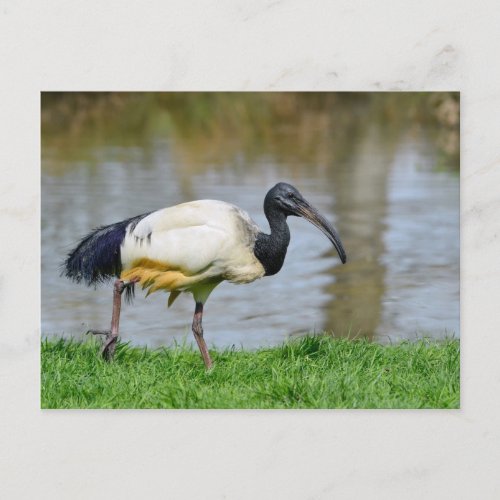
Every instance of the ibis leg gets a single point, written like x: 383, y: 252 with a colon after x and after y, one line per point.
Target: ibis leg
x: 109, y: 347
x: 198, y: 334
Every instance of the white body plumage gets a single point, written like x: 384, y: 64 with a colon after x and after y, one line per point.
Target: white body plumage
x: 191, y: 247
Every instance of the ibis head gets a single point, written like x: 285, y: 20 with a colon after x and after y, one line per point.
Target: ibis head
x: 287, y: 199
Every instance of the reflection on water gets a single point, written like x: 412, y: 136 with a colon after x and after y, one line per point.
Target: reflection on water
x: 382, y: 185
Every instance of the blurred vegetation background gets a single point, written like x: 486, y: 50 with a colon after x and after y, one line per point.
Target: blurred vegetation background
x: 220, y: 126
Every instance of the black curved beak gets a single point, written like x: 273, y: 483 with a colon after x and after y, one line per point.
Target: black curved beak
x: 304, y: 209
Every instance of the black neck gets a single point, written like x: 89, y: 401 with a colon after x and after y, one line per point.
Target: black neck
x: 270, y: 249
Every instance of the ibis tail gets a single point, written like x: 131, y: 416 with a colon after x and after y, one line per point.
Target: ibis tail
x: 97, y: 258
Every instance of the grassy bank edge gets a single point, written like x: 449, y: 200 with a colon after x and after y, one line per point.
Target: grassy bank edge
x: 309, y: 372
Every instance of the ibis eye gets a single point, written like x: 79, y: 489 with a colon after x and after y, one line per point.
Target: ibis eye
x: 289, y: 195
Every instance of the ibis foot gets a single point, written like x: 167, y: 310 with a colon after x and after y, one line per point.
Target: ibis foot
x: 98, y: 332
x: 108, y: 350
x: 198, y: 335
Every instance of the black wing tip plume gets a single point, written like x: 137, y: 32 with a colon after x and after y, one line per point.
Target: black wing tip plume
x: 96, y: 259
x: 130, y: 293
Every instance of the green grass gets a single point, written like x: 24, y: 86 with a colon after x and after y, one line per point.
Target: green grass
x: 311, y: 372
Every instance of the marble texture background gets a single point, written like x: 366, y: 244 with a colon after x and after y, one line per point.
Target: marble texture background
x: 243, y: 45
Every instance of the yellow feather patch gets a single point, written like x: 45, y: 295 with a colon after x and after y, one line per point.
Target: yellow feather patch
x: 156, y: 275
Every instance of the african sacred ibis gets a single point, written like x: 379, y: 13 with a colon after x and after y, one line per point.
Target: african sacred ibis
x: 191, y: 247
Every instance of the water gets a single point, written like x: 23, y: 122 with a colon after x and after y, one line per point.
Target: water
x: 382, y: 187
